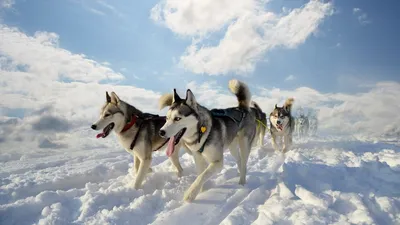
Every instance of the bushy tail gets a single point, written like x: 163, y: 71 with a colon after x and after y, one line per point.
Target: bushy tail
x: 288, y: 104
x: 165, y: 100
x: 241, y: 91
x: 256, y: 106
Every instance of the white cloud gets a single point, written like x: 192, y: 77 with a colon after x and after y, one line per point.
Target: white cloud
x: 356, y: 10
x: 111, y: 8
x: 361, y: 16
x: 41, y: 55
x: 251, y: 31
x: 98, y: 12
x: 36, y: 73
x: 290, y: 78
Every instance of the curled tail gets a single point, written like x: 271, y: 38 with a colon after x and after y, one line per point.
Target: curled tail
x: 241, y: 91
x: 288, y: 104
x: 165, y: 100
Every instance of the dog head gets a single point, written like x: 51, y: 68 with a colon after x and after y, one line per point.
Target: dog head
x: 112, y: 116
x: 280, y: 116
x: 181, y: 116
x: 301, y: 120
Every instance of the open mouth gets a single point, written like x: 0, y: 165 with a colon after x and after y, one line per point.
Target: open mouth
x: 179, y: 135
x: 279, y: 126
x: 106, y: 131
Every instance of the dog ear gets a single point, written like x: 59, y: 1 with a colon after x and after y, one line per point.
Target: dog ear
x: 176, y: 97
x: 108, y: 98
x: 190, y: 99
x: 276, y: 106
x: 114, y: 98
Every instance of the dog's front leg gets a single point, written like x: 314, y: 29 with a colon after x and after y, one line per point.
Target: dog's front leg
x: 143, y: 170
x: 262, y: 135
x: 273, y: 141
x: 287, y: 143
x: 136, y: 163
x: 175, y: 160
x: 200, y: 162
x: 194, y: 189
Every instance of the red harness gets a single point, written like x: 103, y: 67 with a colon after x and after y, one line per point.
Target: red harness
x: 130, y: 124
x: 133, y: 121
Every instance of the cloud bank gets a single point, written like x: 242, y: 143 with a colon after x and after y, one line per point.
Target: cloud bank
x: 249, y: 31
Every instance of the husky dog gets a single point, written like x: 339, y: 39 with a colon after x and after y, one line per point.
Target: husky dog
x: 282, y: 125
x: 261, y: 119
x: 208, y: 132
x: 302, y: 126
x: 313, y: 125
x: 137, y: 132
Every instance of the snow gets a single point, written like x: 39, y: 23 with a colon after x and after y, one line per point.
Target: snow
x: 322, y: 180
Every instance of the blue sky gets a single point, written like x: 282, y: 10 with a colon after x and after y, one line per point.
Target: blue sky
x: 344, y: 51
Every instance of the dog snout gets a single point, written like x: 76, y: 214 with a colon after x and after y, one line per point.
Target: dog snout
x: 278, y: 122
x: 162, y: 133
x: 93, y: 127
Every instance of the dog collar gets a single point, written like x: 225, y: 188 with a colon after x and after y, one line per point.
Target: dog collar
x: 130, y: 124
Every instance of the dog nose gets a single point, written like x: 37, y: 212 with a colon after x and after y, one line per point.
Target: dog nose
x: 94, y: 127
x: 162, y: 133
x: 278, y: 122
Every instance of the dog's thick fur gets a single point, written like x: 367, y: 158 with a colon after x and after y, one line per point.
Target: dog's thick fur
x: 207, y: 134
x: 146, y: 136
x: 282, y: 125
x: 261, y: 119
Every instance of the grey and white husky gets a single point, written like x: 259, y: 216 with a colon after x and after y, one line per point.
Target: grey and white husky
x: 261, y: 119
x: 137, y: 132
x: 282, y: 125
x: 208, y: 132
x: 313, y: 120
x: 302, y: 126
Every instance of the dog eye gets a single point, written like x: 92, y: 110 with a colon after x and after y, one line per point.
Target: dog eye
x: 107, y: 115
x: 177, y: 118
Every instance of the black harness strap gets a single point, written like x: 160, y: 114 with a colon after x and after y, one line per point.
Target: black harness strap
x: 161, y: 145
x: 236, y: 114
x: 140, y: 121
x: 137, y: 133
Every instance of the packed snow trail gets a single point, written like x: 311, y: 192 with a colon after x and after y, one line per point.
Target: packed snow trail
x: 321, y: 181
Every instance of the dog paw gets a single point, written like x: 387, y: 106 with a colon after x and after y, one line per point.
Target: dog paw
x: 179, y: 173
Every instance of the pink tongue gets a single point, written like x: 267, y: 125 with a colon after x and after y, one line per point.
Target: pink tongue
x: 171, y: 146
x: 100, y: 135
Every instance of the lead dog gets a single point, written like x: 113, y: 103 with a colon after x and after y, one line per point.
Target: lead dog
x: 282, y: 125
x: 208, y: 132
x: 137, y: 132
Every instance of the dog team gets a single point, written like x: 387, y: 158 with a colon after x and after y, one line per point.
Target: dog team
x: 201, y: 132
